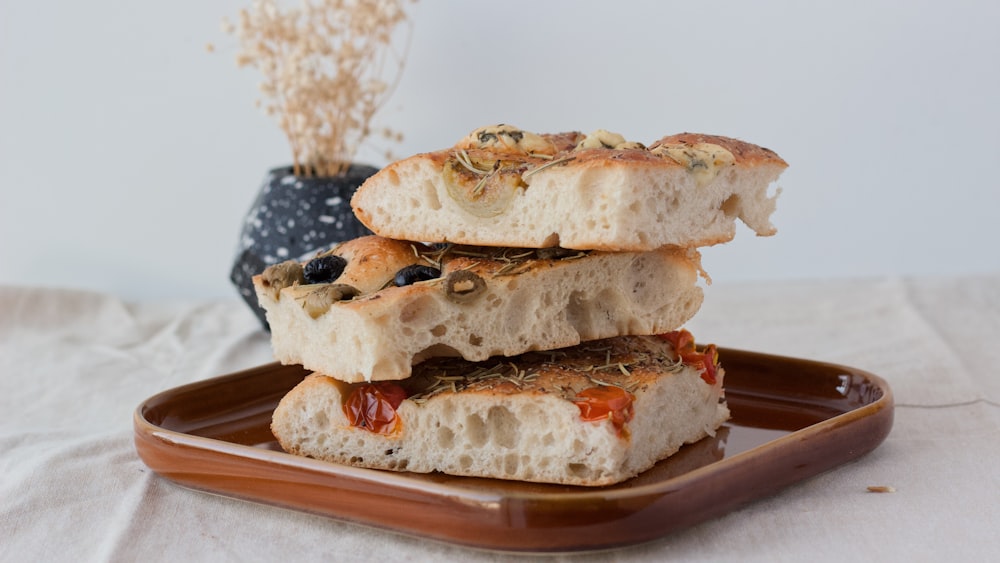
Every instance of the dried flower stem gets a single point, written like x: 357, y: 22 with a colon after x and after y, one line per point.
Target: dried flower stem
x: 323, y: 66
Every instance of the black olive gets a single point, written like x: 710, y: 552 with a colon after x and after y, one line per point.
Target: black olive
x: 324, y: 269
x: 415, y: 273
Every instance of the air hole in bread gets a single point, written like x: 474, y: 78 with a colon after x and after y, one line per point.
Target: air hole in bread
x: 475, y: 430
x: 510, y: 464
x: 416, y: 311
x: 503, y: 426
x: 475, y: 340
x: 582, y: 314
x: 319, y: 420
x: 578, y: 470
x: 414, y: 203
x: 431, y: 196
x: 546, y: 299
x: 439, y: 330
x: 465, y: 462
x: 445, y: 437
x: 733, y: 206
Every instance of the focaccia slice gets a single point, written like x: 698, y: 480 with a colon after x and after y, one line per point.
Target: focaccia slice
x: 506, y: 187
x: 471, y: 302
x: 593, y: 414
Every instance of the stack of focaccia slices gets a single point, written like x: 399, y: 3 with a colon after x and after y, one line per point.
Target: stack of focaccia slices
x: 535, y: 331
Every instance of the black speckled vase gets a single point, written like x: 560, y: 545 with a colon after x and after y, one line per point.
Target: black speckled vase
x: 292, y: 217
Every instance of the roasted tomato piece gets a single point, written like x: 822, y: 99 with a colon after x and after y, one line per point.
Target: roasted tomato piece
x: 682, y: 340
x: 710, y: 360
x: 707, y: 361
x: 599, y: 403
x: 372, y: 406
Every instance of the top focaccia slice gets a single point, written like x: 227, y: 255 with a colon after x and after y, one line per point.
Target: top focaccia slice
x: 501, y: 186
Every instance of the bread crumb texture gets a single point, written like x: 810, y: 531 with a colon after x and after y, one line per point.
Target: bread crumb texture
x: 517, y: 419
x: 482, y: 302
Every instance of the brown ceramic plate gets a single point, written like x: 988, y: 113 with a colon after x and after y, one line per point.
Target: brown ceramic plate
x: 792, y: 419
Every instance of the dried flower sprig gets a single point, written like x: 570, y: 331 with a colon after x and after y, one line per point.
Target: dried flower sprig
x: 325, y: 66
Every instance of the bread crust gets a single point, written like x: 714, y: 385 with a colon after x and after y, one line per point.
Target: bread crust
x: 747, y: 154
x: 627, y: 197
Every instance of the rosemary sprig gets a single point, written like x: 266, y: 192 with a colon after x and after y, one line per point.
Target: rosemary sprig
x: 465, y: 160
x: 546, y: 165
x: 510, y: 269
x: 481, y: 185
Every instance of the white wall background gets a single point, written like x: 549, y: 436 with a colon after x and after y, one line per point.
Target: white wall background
x: 128, y: 154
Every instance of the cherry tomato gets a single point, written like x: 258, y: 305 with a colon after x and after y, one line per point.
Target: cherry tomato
x: 372, y: 406
x: 707, y: 361
x: 599, y: 403
x: 710, y: 359
x: 682, y: 341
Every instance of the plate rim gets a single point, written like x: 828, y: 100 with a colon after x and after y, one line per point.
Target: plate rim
x: 150, y: 435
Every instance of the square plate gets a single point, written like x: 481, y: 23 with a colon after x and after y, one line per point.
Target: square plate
x: 791, y: 419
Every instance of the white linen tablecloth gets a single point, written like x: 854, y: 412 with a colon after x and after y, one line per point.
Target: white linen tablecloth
x: 74, y: 365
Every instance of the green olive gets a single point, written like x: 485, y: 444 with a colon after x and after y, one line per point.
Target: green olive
x: 486, y: 193
x: 279, y: 276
